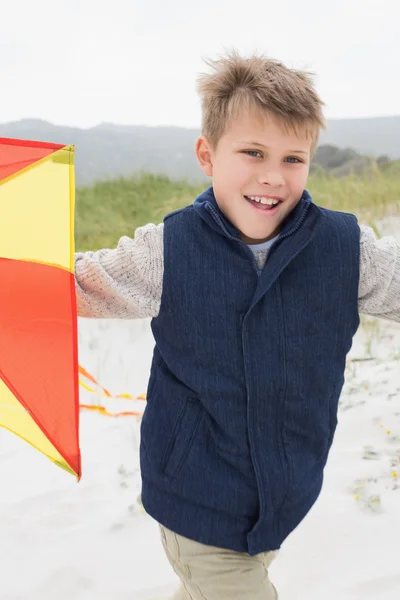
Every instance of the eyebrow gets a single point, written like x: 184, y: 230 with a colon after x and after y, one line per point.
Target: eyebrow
x: 262, y: 146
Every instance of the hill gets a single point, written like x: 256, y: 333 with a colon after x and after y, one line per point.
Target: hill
x: 108, y: 150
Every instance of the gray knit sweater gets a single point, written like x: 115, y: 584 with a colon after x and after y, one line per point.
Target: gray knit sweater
x: 126, y: 282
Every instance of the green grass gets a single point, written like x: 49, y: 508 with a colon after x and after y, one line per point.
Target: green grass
x: 371, y: 196
x: 108, y: 210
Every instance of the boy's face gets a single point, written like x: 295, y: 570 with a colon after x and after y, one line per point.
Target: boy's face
x: 255, y: 163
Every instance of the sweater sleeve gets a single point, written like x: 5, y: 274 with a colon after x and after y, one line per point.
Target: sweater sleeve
x: 124, y: 282
x: 379, y: 287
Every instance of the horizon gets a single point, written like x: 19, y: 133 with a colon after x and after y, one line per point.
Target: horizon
x: 169, y: 126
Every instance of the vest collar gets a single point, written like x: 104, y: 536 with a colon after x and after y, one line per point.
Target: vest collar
x: 207, y: 208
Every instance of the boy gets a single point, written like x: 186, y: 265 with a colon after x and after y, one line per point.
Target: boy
x: 250, y: 353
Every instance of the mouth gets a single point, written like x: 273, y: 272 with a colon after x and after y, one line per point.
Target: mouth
x: 268, y: 205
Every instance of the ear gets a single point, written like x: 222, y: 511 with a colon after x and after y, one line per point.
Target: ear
x: 204, y: 155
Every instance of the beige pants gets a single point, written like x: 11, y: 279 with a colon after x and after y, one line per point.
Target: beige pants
x: 210, y: 573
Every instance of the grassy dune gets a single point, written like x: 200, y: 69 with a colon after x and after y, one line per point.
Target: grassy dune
x: 108, y: 210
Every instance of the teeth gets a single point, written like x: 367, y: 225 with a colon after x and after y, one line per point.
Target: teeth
x: 268, y: 201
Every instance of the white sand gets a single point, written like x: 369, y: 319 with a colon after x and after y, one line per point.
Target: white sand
x: 60, y: 540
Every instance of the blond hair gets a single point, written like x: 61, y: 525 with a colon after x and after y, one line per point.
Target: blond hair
x: 263, y: 85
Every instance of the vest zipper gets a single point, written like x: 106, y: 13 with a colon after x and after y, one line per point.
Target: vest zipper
x: 282, y: 453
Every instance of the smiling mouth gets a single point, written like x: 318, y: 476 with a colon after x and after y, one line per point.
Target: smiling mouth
x: 262, y: 203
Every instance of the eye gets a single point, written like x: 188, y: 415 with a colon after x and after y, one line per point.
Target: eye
x: 293, y: 159
x: 253, y: 153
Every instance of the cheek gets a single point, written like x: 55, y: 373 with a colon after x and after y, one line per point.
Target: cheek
x: 298, y: 179
x: 232, y: 173
x: 242, y: 172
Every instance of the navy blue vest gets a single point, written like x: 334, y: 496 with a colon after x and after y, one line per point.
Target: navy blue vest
x: 247, y: 372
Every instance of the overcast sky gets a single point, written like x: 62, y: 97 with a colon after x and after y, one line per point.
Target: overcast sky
x: 83, y: 62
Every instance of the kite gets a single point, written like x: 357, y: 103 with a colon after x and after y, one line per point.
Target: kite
x: 39, y: 381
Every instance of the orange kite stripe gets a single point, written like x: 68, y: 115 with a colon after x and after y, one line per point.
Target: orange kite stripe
x: 16, y: 155
x: 39, y: 388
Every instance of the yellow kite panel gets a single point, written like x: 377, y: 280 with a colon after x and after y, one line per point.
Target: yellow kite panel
x: 14, y: 417
x: 37, y: 199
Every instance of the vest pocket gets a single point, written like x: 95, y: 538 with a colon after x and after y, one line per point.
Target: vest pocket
x: 182, y: 437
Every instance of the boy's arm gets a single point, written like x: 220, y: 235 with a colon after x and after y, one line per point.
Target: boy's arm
x: 125, y: 282
x: 379, y: 288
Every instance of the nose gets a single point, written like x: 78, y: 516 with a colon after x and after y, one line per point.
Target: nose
x: 271, y: 177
